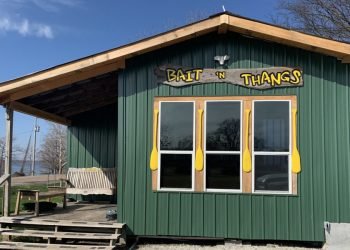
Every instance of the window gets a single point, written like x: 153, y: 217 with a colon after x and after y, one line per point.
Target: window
x: 271, y: 146
x: 232, y: 144
x: 223, y: 145
x: 176, y: 142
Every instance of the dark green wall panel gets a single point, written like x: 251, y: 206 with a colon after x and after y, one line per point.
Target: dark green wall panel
x: 323, y: 138
x: 92, y: 139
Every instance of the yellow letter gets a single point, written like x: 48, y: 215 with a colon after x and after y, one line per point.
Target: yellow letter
x: 275, y: 79
x: 246, y: 77
x: 255, y: 80
x: 171, y: 75
x: 180, y: 76
x: 296, y: 76
x: 265, y: 78
x: 197, y: 74
x: 285, y: 76
x: 188, y: 76
x: 220, y: 74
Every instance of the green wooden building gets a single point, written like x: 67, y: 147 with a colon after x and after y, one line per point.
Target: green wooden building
x: 224, y: 106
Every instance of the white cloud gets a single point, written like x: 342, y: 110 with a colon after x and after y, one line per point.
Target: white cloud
x: 45, y: 5
x: 55, y: 5
x: 26, y: 28
x: 13, y: 17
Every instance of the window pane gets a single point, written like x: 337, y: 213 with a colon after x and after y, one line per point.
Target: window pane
x: 271, y: 172
x: 176, y: 127
x: 223, y: 171
x: 176, y: 171
x: 271, y: 126
x: 223, y: 126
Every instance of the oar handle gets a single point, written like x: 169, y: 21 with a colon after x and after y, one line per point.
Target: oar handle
x: 155, y: 128
x: 199, y: 152
x: 247, y: 116
x: 200, y: 121
x: 294, y: 116
x: 247, y: 161
x: 154, y: 153
x: 296, y: 164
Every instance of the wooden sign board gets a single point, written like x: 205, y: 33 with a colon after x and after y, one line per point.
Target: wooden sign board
x: 259, y: 78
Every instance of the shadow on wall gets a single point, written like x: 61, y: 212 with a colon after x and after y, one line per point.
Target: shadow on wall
x: 92, y: 142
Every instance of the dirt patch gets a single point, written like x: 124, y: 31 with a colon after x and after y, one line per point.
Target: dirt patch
x: 80, y: 211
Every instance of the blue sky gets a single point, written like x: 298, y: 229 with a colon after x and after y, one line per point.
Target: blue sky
x: 37, y: 34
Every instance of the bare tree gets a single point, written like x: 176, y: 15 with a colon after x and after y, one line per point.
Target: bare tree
x: 53, y: 150
x: 16, y: 150
x: 329, y: 19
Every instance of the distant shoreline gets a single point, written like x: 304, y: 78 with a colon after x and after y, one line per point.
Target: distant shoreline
x: 17, y: 164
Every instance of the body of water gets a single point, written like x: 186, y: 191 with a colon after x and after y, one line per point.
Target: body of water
x: 16, y: 167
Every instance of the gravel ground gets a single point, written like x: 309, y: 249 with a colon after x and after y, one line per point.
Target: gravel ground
x: 226, y: 246
x: 217, y: 247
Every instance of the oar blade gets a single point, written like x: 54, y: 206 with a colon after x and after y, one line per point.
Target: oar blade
x: 154, y: 160
x: 199, y: 159
x: 296, y: 166
x: 247, y: 161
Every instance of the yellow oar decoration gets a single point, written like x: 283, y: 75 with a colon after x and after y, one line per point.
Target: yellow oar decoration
x: 154, y: 154
x: 296, y: 168
x: 247, y: 159
x: 199, y: 152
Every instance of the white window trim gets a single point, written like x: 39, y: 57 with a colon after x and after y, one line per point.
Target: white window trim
x: 192, y: 152
x: 205, y: 152
x: 289, y: 153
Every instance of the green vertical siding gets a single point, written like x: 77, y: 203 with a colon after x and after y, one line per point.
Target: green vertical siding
x: 323, y: 136
x: 92, y: 139
x: 92, y: 142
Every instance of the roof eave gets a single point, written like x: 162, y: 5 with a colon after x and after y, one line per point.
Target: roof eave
x: 114, y: 59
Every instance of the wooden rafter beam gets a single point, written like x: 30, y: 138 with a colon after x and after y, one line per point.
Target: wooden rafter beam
x: 76, y: 88
x: 223, y: 26
x: 346, y: 59
x: 38, y: 113
x: 55, y: 82
x: 86, y: 102
x: 288, y: 37
x: 114, y: 59
x: 22, y: 87
x: 4, y: 178
x: 52, y: 94
x: 69, y: 99
x: 90, y: 97
x: 55, y: 97
x: 93, y: 106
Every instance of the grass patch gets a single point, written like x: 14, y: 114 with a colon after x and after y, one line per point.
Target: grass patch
x: 41, y: 187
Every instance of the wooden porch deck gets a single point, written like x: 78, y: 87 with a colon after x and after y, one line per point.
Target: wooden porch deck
x: 80, y: 225
x: 82, y: 211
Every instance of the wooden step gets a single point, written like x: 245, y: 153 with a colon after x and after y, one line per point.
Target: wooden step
x: 24, y: 246
x: 110, y: 233
x: 62, y: 223
x: 59, y: 235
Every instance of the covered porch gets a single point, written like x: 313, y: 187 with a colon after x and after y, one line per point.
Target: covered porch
x: 64, y: 105
x: 75, y: 100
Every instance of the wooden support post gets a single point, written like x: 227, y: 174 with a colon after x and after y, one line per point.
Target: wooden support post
x: 64, y: 200
x: 36, y: 203
x: 8, y: 161
x: 18, y: 202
